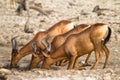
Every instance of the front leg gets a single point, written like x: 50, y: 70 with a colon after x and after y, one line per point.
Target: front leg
x: 36, y: 60
x: 76, y: 67
x: 71, y: 62
x: 86, y: 61
x: 64, y: 62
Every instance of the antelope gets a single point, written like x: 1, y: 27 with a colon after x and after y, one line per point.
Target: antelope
x: 93, y: 38
x: 59, y: 28
x: 57, y: 41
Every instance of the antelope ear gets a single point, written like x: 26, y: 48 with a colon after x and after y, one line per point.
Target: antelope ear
x: 45, y: 54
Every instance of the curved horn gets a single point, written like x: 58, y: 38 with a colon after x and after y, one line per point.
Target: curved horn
x: 45, y: 42
x: 14, y: 42
x: 34, y: 46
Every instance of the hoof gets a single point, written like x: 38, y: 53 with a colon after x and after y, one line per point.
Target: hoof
x: 86, y: 64
x: 81, y: 68
x: 14, y: 67
x: 92, y: 68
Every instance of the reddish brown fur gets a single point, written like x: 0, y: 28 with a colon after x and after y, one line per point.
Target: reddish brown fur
x: 57, y: 41
x: 80, y: 44
x: 59, y: 28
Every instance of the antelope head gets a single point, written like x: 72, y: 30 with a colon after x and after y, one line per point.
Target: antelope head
x: 45, y: 43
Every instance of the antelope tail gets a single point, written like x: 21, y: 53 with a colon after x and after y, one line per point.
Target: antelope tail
x: 108, y: 35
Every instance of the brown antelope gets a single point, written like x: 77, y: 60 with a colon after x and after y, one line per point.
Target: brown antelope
x: 57, y: 41
x: 76, y: 45
x: 59, y: 28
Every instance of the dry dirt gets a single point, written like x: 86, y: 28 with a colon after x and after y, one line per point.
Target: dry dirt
x: 79, y: 11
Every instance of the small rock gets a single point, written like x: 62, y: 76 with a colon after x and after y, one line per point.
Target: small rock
x: 1, y: 65
x: 6, y: 71
x: 107, y: 77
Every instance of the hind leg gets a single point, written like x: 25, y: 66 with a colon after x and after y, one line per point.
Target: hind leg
x: 99, y: 54
x: 107, y: 55
x: 98, y: 60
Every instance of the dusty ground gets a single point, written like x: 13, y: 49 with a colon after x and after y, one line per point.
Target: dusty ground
x: 79, y: 11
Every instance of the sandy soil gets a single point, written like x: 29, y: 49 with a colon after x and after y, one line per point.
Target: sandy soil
x: 79, y: 11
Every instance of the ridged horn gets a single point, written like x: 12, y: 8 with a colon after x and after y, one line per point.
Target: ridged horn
x: 14, y: 43
x: 45, y: 42
x: 34, y: 46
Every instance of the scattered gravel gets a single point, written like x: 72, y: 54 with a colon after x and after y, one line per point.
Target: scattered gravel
x: 78, y: 11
